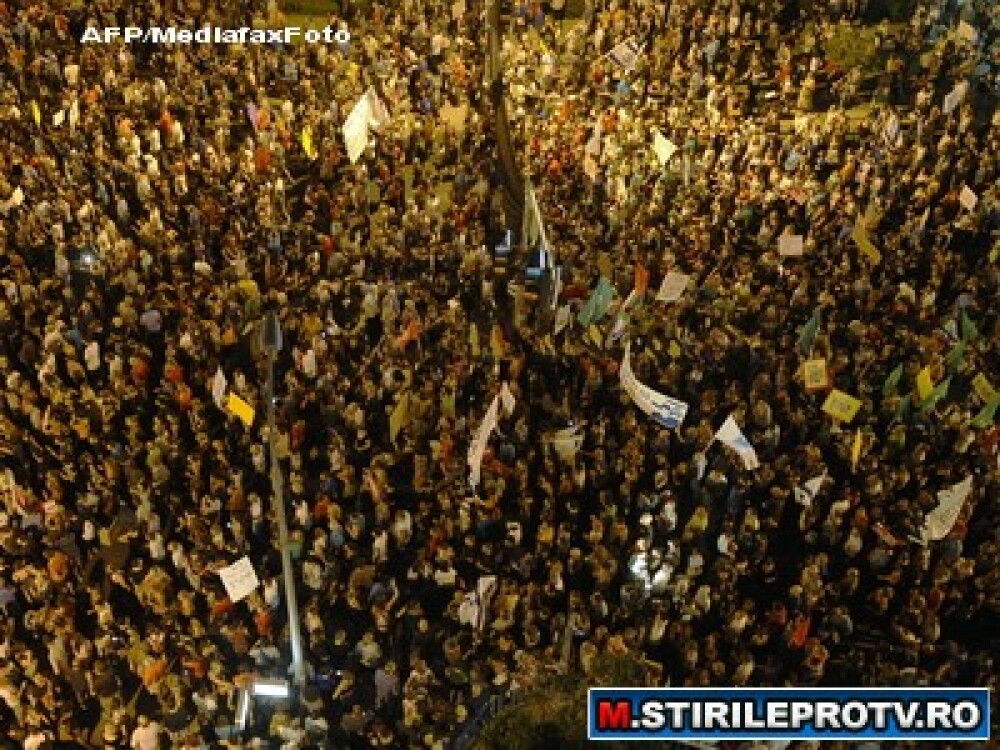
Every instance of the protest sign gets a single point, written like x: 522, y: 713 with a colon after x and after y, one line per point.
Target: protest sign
x: 239, y: 579
x: 816, y: 375
x: 790, y: 246
x: 841, y: 406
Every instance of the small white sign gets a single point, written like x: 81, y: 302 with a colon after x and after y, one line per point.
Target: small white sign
x: 240, y: 579
x: 790, y: 245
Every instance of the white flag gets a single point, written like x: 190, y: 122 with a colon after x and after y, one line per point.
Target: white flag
x: 805, y: 494
x: 563, y: 316
x: 968, y: 198
x: 507, y: 399
x: 356, y: 129
x: 92, y: 356
x: 664, y: 147
x: 567, y: 443
x: 477, y: 448
x: 730, y: 434
x: 673, y: 286
x: 309, y: 364
x: 940, y: 521
x: 219, y: 384
x: 378, y: 114
x: 239, y: 579
x: 955, y: 97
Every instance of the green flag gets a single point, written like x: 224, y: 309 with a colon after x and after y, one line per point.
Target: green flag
x: 985, y: 417
x: 903, y: 410
x: 939, y: 392
x: 953, y: 359
x: 891, y: 382
x: 969, y: 330
x: 598, y: 304
x: 808, y: 332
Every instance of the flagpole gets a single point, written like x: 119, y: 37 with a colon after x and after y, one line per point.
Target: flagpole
x: 271, y: 344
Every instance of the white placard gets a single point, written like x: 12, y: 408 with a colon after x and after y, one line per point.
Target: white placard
x: 240, y: 579
x: 968, y: 198
x: 790, y: 245
x: 673, y: 287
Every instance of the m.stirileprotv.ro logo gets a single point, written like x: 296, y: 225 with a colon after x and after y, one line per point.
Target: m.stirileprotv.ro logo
x: 744, y: 714
x: 214, y: 35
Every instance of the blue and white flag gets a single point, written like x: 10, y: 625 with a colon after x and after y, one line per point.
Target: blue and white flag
x: 730, y: 434
x: 667, y: 411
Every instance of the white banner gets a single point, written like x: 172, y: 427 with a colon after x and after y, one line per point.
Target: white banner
x: 240, y: 579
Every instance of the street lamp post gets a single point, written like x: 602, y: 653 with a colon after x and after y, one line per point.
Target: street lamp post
x: 271, y: 345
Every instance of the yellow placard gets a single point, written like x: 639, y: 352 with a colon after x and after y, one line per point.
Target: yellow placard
x: 925, y: 383
x: 816, y: 376
x: 841, y: 406
x: 240, y: 408
x: 983, y: 389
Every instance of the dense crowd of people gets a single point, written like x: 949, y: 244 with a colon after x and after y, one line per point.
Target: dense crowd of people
x: 148, y: 223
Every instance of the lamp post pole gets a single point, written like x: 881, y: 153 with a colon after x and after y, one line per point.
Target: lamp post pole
x: 271, y: 340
